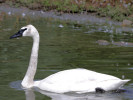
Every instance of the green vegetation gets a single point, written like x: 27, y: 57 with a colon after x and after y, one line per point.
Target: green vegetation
x: 114, y: 9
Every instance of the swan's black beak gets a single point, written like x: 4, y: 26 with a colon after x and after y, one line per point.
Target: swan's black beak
x: 18, y: 34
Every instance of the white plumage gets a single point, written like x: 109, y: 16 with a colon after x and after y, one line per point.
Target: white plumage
x: 73, y: 80
x: 79, y: 81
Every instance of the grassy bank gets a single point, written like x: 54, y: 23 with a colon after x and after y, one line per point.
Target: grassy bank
x: 114, y: 9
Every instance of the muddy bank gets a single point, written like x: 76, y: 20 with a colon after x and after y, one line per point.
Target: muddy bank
x: 118, y: 10
x: 79, y: 18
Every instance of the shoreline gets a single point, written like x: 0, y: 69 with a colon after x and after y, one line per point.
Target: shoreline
x: 79, y: 18
x: 117, y: 10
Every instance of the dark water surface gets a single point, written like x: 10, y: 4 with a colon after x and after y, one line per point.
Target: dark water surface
x: 95, y: 47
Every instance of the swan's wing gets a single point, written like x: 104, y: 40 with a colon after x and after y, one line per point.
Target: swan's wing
x: 75, y: 80
x: 77, y: 75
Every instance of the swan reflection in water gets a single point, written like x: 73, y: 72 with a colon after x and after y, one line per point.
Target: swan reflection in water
x: 30, y: 95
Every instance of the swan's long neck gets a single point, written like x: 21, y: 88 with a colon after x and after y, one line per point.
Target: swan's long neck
x: 29, y: 76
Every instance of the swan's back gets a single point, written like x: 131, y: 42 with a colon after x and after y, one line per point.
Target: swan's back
x: 77, y: 75
x: 80, y: 81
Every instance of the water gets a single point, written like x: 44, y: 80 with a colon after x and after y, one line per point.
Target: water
x: 101, y: 48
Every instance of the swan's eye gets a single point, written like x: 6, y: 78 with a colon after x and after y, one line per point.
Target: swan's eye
x: 19, y: 33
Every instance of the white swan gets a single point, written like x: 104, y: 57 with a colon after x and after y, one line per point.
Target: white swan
x: 73, y: 80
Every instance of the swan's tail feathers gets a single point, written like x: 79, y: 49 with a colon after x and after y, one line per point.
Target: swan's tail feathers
x: 125, y: 81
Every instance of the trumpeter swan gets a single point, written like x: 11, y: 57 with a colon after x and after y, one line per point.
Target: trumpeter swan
x: 72, y: 80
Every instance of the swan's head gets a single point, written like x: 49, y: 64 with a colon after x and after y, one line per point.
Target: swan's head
x: 28, y: 30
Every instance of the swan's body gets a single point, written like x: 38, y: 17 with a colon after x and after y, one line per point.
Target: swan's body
x: 79, y: 81
x: 73, y: 80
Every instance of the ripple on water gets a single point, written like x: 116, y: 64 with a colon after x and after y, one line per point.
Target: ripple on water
x: 130, y: 68
x: 16, y: 85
